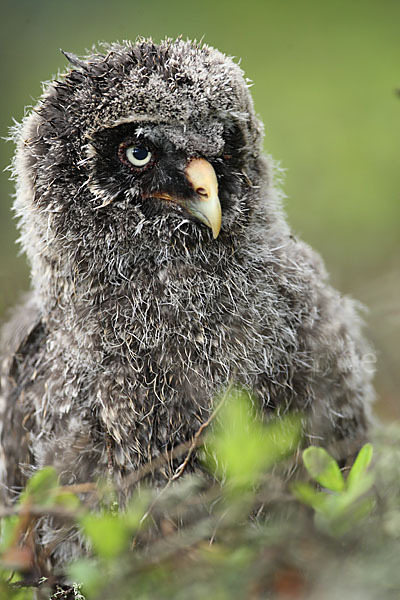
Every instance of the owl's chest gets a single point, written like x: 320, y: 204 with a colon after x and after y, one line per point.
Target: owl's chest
x: 168, y: 382
x: 147, y: 368
x: 142, y: 406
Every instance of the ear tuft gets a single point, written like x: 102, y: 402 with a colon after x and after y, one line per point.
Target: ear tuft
x: 74, y: 60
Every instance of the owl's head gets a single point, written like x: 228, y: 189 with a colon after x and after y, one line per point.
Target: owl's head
x: 141, y: 146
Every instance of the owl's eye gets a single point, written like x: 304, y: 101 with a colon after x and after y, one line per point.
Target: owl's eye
x: 138, y: 156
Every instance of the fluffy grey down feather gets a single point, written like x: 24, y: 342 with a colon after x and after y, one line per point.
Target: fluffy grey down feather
x: 137, y: 317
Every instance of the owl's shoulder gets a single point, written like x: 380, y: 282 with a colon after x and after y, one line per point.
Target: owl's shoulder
x: 21, y: 339
x: 22, y: 342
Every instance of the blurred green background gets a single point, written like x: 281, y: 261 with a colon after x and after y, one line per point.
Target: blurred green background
x: 325, y: 76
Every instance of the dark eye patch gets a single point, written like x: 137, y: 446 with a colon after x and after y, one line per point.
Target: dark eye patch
x: 107, y: 141
x: 110, y: 167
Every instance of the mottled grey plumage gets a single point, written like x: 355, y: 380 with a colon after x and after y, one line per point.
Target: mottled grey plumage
x: 137, y: 316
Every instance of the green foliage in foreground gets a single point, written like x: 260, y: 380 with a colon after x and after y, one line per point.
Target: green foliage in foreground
x: 250, y: 532
x: 343, y: 503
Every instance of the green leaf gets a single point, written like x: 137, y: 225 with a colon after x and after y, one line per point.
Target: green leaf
x: 338, y: 519
x: 308, y: 495
x: 136, y: 509
x: 40, y: 487
x: 86, y: 572
x: 67, y: 500
x: 9, y: 593
x: 360, y: 487
x: 8, y: 528
x: 241, y: 447
x: 338, y: 512
x: 107, y: 533
x: 281, y: 438
x: 360, y: 466
x: 323, y: 468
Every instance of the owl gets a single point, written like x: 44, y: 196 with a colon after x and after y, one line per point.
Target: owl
x: 162, y: 270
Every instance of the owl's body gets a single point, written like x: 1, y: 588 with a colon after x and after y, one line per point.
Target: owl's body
x: 142, y: 312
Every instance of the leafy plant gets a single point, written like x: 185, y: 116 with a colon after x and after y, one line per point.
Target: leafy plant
x: 341, y: 503
x: 241, y: 447
x: 198, y: 537
x: 42, y: 496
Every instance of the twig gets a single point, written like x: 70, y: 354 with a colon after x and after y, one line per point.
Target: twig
x: 37, y: 511
x: 156, y: 463
x: 197, y: 440
x: 177, y: 451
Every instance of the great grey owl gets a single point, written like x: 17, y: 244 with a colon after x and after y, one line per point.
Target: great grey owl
x: 162, y: 270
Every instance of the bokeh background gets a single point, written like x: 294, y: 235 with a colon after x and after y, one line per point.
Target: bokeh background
x: 325, y: 78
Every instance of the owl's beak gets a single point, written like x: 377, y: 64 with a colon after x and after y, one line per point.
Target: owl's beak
x: 205, y: 206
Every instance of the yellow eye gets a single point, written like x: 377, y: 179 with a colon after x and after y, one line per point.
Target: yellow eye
x: 139, y: 156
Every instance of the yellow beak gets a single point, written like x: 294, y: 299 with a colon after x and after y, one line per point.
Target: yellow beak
x: 206, y: 206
